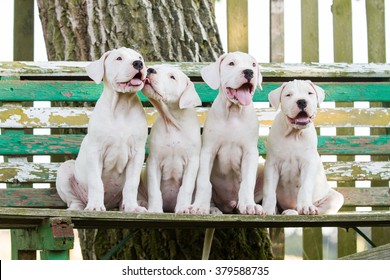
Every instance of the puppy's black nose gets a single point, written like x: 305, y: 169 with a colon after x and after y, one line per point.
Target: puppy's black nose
x: 248, y: 74
x: 301, y: 104
x: 151, y: 71
x: 138, y: 65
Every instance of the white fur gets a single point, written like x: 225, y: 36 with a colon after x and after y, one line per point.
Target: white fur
x: 106, y: 173
x: 229, y: 155
x: 173, y: 160
x: 294, y: 177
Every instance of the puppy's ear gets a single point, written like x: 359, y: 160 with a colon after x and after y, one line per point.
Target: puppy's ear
x: 319, y: 92
x: 275, y: 96
x: 95, y: 69
x: 189, y: 98
x: 210, y: 73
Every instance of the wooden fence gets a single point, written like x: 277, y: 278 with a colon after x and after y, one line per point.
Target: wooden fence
x: 237, y: 24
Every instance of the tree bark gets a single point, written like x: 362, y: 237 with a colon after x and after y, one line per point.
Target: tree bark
x: 161, y: 31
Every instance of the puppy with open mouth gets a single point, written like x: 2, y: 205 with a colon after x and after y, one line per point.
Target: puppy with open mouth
x: 294, y: 177
x: 228, y: 174
x: 106, y: 173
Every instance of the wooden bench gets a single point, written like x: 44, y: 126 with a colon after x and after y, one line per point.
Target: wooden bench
x: 38, y: 216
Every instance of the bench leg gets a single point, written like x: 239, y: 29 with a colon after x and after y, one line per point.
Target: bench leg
x: 54, y: 236
x: 208, y: 240
x: 55, y: 255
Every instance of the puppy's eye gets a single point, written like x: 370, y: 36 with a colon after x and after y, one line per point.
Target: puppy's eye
x: 310, y: 93
x: 288, y: 94
x: 119, y: 58
x: 140, y: 58
x: 254, y: 64
x: 231, y: 63
x: 173, y: 77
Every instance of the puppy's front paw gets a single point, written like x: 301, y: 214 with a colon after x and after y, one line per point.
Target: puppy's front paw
x: 155, y: 210
x: 134, y: 209
x: 251, y: 209
x: 193, y: 209
x: 308, y: 210
x: 290, y: 212
x: 215, y: 211
x: 95, y: 207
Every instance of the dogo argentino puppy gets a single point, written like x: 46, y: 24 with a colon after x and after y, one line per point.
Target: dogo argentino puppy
x: 294, y: 177
x: 229, y: 155
x: 173, y: 160
x: 106, y: 173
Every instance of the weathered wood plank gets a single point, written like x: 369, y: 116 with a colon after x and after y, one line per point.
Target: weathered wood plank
x: 88, y: 91
x: 376, y: 35
x: 69, y: 144
x: 76, y: 70
x: 354, y: 197
x: 309, y: 26
x: 14, y: 173
x: 23, y: 30
x: 24, y: 217
x: 342, y: 30
x: 48, y: 197
x: 237, y: 25
x: 31, y: 198
x: 378, y: 253
x: 61, y: 117
x: 348, y: 171
x: 277, y: 30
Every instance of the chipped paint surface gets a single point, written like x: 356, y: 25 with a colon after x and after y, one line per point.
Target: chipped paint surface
x: 70, y: 68
x: 350, y: 171
x: 28, y: 172
x: 20, y: 117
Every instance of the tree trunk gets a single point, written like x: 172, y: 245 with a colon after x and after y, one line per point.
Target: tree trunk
x: 160, y: 31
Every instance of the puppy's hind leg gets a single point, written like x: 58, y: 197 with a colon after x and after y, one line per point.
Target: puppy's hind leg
x: 331, y: 203
x: 65, y: 186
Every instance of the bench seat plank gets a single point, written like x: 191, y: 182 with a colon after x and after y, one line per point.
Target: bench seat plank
x: 25, y: 218
x: 58, y: 117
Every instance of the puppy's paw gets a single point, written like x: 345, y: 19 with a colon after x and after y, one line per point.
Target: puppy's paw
x: 134, y: 209
x: 76, y: 206
x: 92, y: 207
x: 155, y: 210
x: 215, y: 211
x: 290, y: 212
x: 307, y: 210
x: 198, y: 210
x: 251, y: 209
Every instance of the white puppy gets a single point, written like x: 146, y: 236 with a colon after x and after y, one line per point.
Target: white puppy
x: 294, y: 177
x: 229, y: 155
x: 173, y: 160
x: 107, y: 170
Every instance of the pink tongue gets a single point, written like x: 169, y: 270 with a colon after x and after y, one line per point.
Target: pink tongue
x: 244, y: 96
x: 135, y: 82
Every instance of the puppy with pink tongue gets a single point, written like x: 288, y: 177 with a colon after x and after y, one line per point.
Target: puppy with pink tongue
x: 228, y: 175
